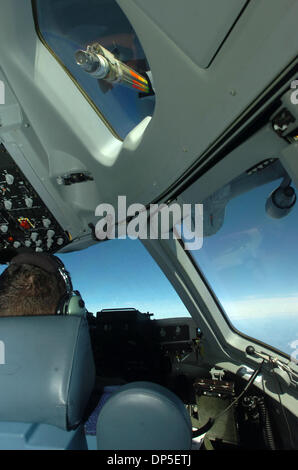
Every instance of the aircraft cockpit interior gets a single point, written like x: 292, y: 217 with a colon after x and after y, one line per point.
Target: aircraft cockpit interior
x: 149, y: 160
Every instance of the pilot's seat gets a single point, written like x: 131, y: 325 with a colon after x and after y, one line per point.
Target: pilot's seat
x: 47, y: 375
x: 141, y: 416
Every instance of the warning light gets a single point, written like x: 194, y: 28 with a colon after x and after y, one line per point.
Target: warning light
x: 25, y: 223
x: 10, y: 239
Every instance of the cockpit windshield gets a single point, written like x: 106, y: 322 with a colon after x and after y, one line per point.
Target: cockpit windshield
x: 67, y: 26
x: 249, y: 253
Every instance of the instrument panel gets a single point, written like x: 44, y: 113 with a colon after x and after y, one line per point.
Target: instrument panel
x: 131, y: 345
x: 25, y: 221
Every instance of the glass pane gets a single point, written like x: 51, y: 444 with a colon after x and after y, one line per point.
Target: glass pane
x: 122, y: 274
x: 249, y: 258
x: 70, y: 25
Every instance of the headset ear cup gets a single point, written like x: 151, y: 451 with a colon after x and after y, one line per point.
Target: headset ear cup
x: 71, y: 304
x: 62, y: 307
x: 76, y: 305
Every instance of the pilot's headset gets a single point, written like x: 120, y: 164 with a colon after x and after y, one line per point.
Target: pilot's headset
x: 71, y: 303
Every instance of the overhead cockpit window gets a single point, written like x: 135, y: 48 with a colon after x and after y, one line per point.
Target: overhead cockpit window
x: 98, y: 47
x: 249, y: 253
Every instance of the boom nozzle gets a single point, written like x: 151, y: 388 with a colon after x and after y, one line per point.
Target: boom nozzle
x: 102, y: 64
x: 85, y: 60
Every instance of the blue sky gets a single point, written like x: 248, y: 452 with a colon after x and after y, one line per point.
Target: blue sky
x: 121, y: 273
x: 251, y: 264
x: 251, y: 256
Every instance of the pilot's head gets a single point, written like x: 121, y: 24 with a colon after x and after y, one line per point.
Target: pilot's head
x: 31, y: 285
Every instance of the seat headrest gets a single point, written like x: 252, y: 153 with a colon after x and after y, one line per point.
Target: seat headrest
x: 144, y: 416
x: 47, y: 371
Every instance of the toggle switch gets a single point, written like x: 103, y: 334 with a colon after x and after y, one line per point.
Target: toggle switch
x: 9, y: 179
x: 7, y: 204
x: 46, y: 223
x: 29, y: 202
x: 50, y: 233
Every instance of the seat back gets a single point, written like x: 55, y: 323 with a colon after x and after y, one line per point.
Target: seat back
x: 144, y: 415
x: 47, y: 374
